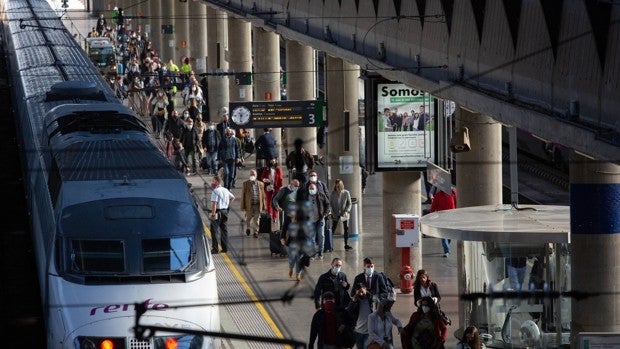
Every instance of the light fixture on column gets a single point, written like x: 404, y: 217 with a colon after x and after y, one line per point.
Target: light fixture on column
x: 460, y: 141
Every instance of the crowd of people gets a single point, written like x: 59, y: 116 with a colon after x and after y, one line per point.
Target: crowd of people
x: 347, y: 314
x: 359, y: 314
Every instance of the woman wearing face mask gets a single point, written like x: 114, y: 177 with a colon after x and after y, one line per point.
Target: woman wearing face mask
x: 426, y: 329
x: 380, y: 324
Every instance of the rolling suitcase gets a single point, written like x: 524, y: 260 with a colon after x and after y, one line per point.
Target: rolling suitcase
x: 275, y: 246
x: 264, y: 223
x: 329, y: 240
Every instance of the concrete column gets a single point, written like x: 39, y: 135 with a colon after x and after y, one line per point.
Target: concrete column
x: 478, y: 180
x: 266, y: 49
x: 240, y: 57
x: 595, y: 237
x: 167, y: 15
x: 154, y: 25
x: 181, y: 30
x: 479, y: 171
x: 300, y: 81
x: 217, y: 44
x: 197, y: 44
x: 401, y: 194
x: 343, y: 153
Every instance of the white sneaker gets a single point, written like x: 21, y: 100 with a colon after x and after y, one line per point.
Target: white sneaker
x: 445, y: 255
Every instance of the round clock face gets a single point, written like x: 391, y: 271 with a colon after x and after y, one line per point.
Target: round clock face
x: 241, y: 115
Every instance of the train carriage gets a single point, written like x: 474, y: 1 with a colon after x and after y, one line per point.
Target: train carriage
x: 114, y: 223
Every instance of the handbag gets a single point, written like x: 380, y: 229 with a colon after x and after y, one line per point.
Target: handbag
x: 445, y: 318
x: 344, y: 217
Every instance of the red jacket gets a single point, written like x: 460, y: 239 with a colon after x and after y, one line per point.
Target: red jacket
x: 443, y: 201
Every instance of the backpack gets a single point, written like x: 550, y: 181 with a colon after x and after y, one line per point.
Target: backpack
x: 389, y: 288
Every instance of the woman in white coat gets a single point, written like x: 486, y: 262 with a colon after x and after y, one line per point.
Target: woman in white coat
x: 340, y: 202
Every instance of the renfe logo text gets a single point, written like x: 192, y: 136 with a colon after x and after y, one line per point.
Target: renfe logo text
x: 113, y: 308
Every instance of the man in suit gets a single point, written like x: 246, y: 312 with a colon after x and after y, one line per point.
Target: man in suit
x: 374, y: 281
x: 253, y: 203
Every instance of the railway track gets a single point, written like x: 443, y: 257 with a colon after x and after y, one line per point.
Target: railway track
x: 539, y: 183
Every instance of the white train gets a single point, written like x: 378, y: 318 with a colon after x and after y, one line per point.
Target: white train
x: 114, y: 223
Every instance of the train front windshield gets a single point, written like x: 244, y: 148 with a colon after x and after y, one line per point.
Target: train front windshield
x: 102, y: 56
x: 162, y: 255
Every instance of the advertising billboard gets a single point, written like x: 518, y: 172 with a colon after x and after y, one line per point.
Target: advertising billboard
x: 406, y: 135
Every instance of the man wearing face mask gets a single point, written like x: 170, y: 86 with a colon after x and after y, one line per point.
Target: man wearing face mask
x: 228, y: 156
x: 252, y: 203
x: 210, y: 143
x: 319, y: 209
x: 189, y: 138
x: 158, y: 118
x: 374, y: 281
x: 329, y: 324
x: 221, y: 198
x: 284, y: 201
x: 334, y: 280
x: 426, y: 328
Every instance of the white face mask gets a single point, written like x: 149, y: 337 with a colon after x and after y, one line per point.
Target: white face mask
x: 185, y: 116
x: 426, y: 309
x: 313, y: 179
x: 252, y: 178
x: 211, y: 127
x: 312, y: 192
x: 335, y: 270
x: 189, y: 127
x: 369, y: 271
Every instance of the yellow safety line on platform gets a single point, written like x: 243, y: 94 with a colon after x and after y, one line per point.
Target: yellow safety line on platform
x: 249, y: 291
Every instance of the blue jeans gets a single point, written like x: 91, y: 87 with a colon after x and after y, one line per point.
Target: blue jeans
x: 319, y: 235
x: 445, y: 243
x: 212, y: 160
x: 294, y: 258
x: 360, y: 340
x: 229, y: 172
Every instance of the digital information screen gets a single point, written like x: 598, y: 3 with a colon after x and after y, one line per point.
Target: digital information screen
x: 405, y: 127
x: 265, y: 114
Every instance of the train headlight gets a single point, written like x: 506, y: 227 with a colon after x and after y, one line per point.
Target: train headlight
x: 178, y: 342
x: 85, y: 342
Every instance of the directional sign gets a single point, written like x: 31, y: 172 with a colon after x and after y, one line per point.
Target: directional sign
x: 276, y: 114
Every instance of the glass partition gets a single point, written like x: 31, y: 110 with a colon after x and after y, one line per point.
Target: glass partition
x: 519, y: 288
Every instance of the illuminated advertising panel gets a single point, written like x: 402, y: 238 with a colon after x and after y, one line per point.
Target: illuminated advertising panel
x: 405, y: 127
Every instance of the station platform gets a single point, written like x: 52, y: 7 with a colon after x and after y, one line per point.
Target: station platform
x: 257, y: 296
x: 252, y: 284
